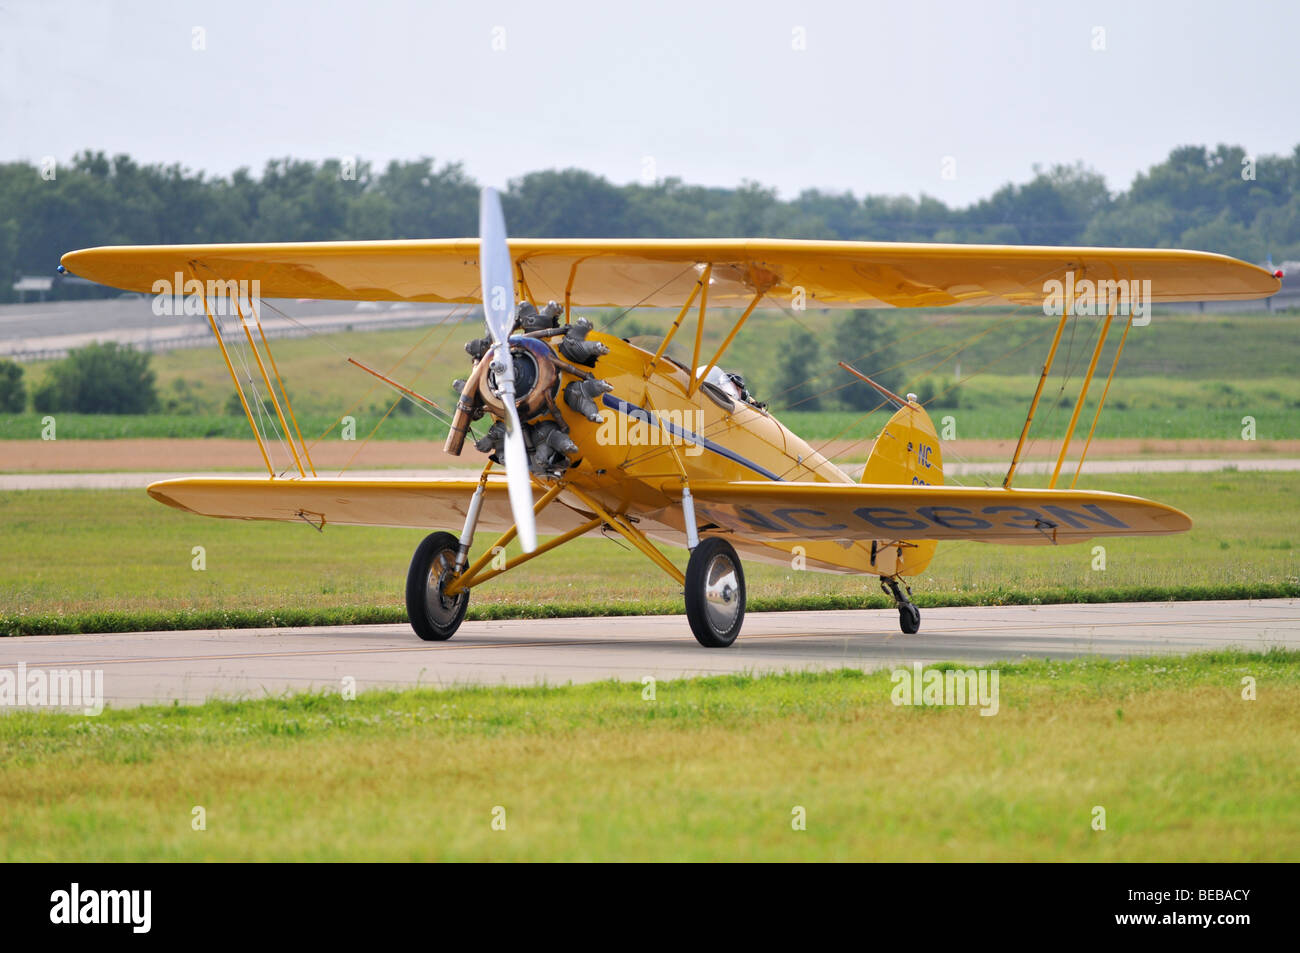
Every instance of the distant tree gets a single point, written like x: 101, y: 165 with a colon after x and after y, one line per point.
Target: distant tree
x: 1279, y: 229
x: 669, y: 209
x: 431, y: 202
x: 936, y: 394
x: 566, y: 204
x: 863, y: 339
x: 799, y: 364
x: 1225, y: 236
x: 370, y: 217
x: 1053, y: 208
x: 1133, y: 225
x: 13, y: 394
x: 182, y: 399
x: 1218, y: 198
x: 8, y: 258
x: 754, y: 211
x: 630, y: 327
x: 104, y: 378
x: 827, y: 215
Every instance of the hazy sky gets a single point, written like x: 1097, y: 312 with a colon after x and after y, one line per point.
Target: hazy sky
x: 713, y: 93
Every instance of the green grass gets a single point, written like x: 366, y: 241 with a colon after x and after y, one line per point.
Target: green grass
x: 711, y: 769
x: 994, y: 408
x: 991, y: 408
x: 78, y: 559
x: 1182, y: 376
x: 1173, y: 346
x: 28, y: 426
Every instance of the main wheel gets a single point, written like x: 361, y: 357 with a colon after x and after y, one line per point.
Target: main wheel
x: 434, y: 617
x: 715, y: 593
x: 909, y: 618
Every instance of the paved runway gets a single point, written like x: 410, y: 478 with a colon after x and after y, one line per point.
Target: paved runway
x: 242, y: 663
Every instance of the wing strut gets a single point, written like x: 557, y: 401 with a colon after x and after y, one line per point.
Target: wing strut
x: 677, y: 323
x: 1102, y: 403
x: 705, y: 280
x: 1083, y: 395
x: 722, y: 348
x: 221, y: 343
x: 288, y: 406
x: 1038, y: 392
x: 275, y: 401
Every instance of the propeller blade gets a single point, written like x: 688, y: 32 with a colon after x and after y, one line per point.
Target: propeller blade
x: 496, y: 273
x: 518, y: 482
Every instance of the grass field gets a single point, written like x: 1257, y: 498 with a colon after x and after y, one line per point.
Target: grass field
x: 993, y: 408
x: 1182, y: 376
x: 79, y: 552
x: 1184, y: 767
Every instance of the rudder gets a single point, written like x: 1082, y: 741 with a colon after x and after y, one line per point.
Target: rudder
x: 906, y: 452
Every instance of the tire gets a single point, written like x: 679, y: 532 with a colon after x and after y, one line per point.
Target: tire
x: 909, y: 618
x: 434, y: 617
x: 715, y: 593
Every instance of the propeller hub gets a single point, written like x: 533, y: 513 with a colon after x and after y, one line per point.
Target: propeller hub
x: 536, y: 380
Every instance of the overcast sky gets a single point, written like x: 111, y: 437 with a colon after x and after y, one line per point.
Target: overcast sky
x: 861, y: 96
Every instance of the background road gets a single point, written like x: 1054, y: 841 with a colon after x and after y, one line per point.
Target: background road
x: 140, y: 480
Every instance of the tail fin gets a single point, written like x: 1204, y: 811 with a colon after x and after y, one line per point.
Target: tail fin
x: 907, y: 452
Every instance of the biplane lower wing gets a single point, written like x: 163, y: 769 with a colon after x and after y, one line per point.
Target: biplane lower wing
x: 758, y: 510
x: 426, y: 504
x: 842, y: 511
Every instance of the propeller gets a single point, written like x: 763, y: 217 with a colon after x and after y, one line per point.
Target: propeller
x: 496, y: 272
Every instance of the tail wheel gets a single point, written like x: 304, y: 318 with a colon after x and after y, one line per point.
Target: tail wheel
x: 909, y: 616
x: 715, y: 593
x: 434, y: 616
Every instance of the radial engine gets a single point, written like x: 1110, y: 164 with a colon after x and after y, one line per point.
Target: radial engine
x: 543, y: 351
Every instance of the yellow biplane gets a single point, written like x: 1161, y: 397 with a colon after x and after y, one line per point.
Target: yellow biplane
x: 590, y: 433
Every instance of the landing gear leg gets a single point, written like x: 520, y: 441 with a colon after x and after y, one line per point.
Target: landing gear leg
x: 909, y: 616
x: 471, y: 523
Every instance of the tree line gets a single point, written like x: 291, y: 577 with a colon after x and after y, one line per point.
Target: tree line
x: 1220, y: 199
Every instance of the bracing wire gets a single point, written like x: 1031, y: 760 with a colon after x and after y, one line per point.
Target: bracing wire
x: 451, y: 320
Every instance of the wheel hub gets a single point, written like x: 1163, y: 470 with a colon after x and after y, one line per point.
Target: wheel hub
x: 441, y: 608
x: 720, y: 593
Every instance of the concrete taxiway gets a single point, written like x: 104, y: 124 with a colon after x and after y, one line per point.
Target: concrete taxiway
x: 140, y: 668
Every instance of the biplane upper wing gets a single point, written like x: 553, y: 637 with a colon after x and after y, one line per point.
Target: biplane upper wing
x: 664, y: 272
x: 849, y: 511
x: 430, y: 503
